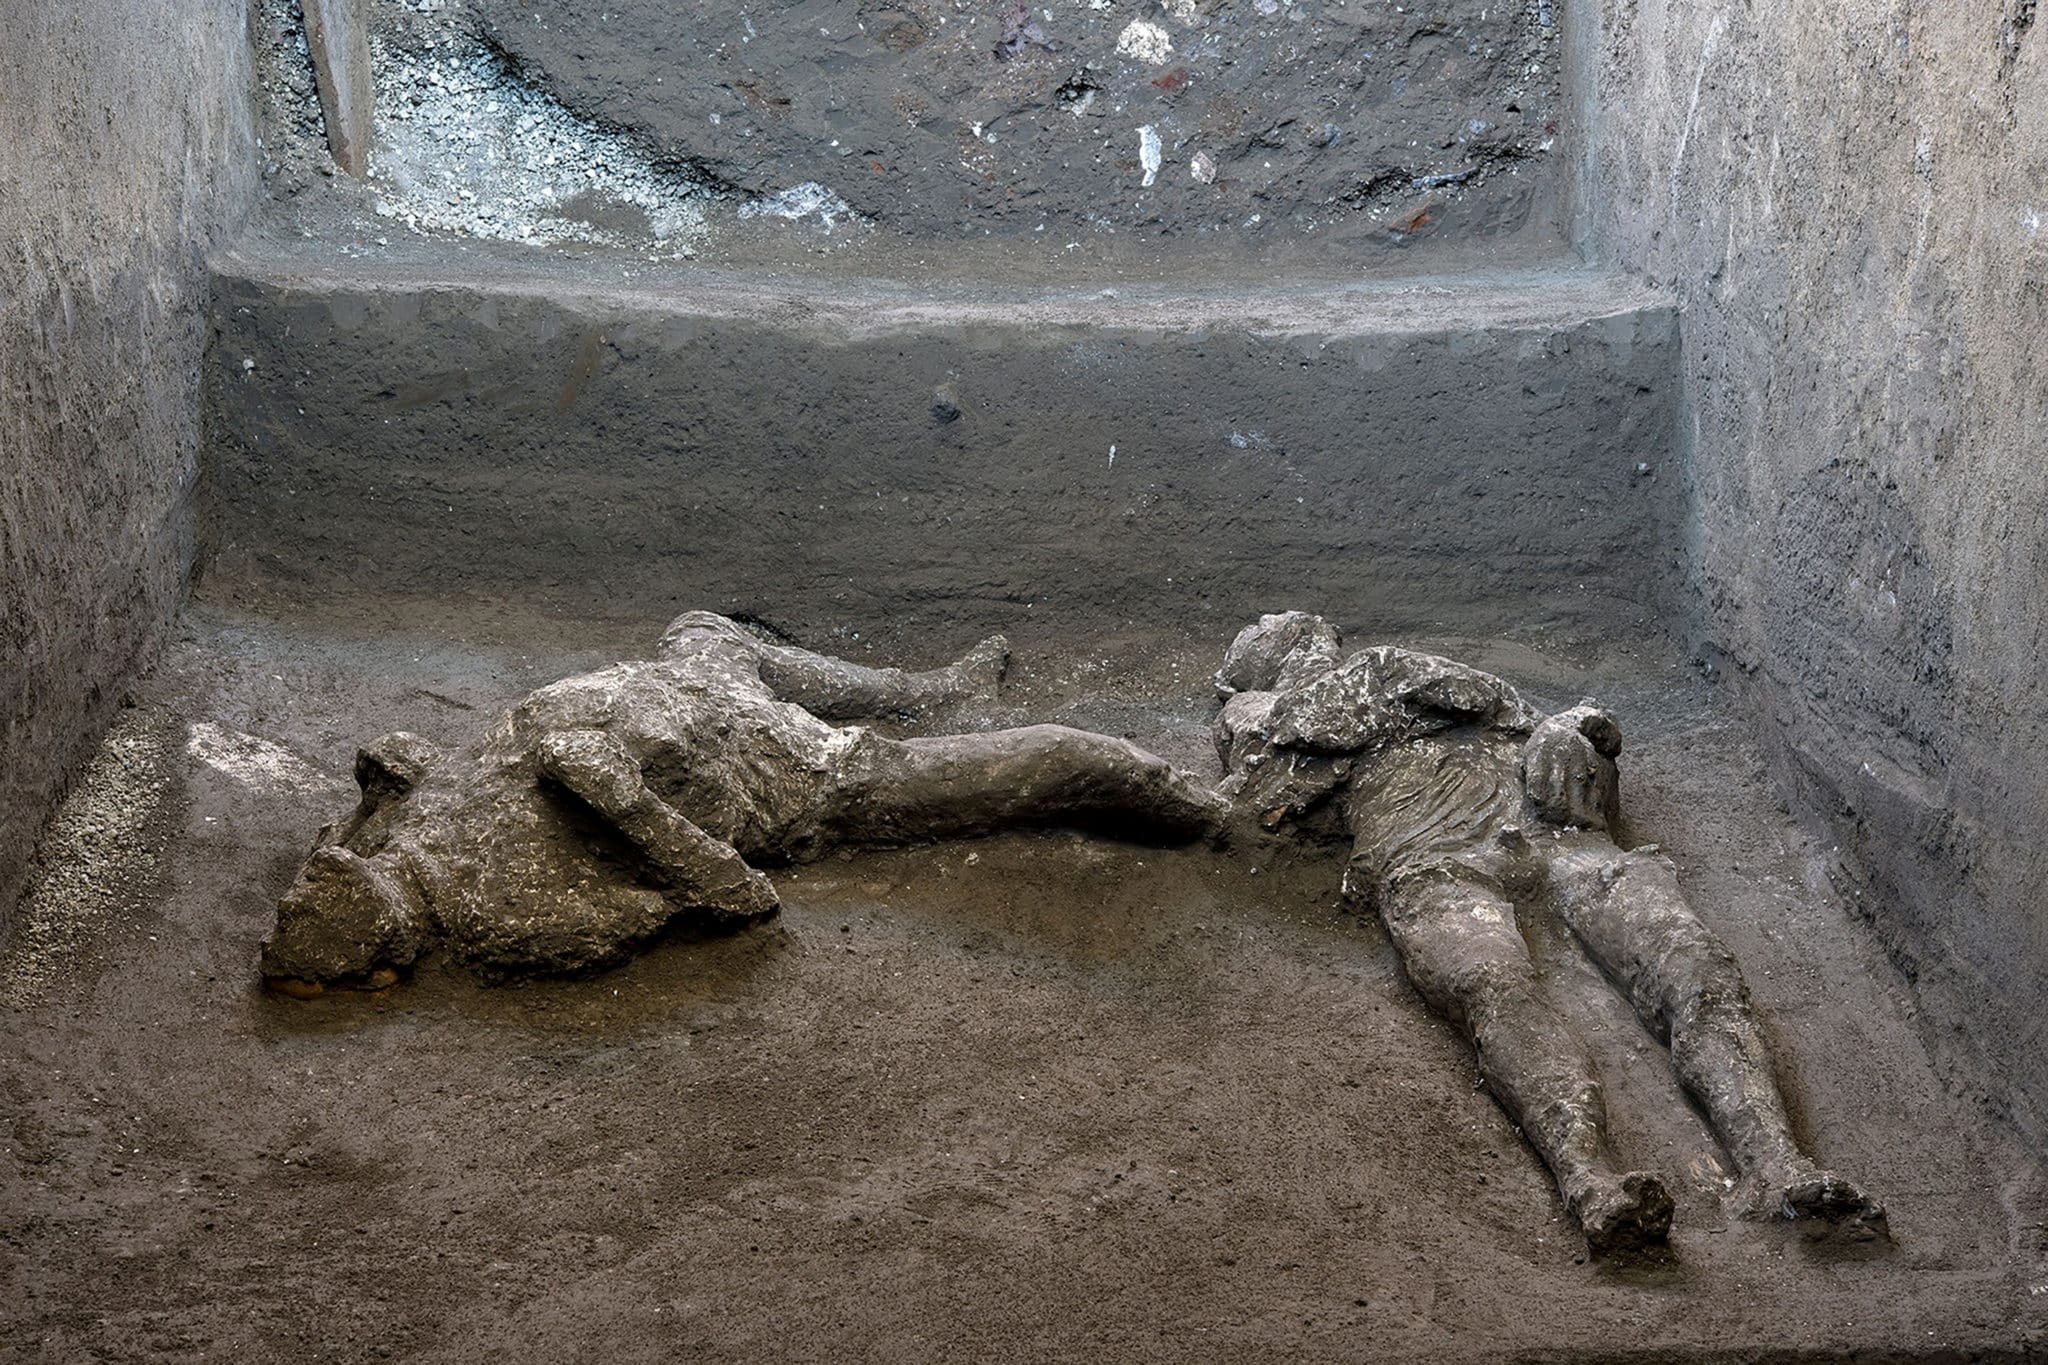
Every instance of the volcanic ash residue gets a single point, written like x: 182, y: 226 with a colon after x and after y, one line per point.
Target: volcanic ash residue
x: 465, y: 145
x: 97, y: 864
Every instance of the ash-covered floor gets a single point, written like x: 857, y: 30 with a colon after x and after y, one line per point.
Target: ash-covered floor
x: 1025, y: 1098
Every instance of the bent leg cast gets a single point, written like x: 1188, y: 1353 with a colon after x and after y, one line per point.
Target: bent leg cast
x: 1461, y: 948
x: 840, y: 691
x: 1630, y: 913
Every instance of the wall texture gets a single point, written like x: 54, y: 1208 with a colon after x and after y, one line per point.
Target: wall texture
x: 1367, y: 122
x: 1492, y: 453
x: 1851, y: 198
x: 125, y: 147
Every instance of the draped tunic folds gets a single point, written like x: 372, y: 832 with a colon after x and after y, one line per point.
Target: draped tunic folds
x: 1425, y: 753
x: 1435, y: 803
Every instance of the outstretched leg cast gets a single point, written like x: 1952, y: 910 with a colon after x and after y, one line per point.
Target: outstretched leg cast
x: 1629, y: 912
x: 1460, y: 946
x: 951, y: 786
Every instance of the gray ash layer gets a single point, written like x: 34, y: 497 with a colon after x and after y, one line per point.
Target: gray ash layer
x: 290, y: 130
x: 97, y: 863
x: 945, y: 117
x: 465, y: 146
x: 642, y: 123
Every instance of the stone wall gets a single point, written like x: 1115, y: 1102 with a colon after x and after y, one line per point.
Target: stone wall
x: 125, y: 147
x: 1851, y: 198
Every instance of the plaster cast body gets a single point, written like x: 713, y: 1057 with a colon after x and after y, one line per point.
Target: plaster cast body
x: 1460, y: 799
x: 605, y: 806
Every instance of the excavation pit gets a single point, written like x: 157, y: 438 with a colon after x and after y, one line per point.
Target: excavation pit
x: 372, y: 365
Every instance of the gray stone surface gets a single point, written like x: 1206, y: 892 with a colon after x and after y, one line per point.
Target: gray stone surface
x: 125, y: 144
x: 1850, y: 198
x: 1492, y: 451
x: 338, y: 37
x: 1359, y: 121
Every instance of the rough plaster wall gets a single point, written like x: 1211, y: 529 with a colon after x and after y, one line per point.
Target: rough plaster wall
x: 125, y: 146
x: 1851, y: 197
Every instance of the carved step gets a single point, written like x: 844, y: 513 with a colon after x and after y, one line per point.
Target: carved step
x: 1465, y: 449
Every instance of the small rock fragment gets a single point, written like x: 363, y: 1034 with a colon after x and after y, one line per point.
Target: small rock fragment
x: 1146, y: 42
